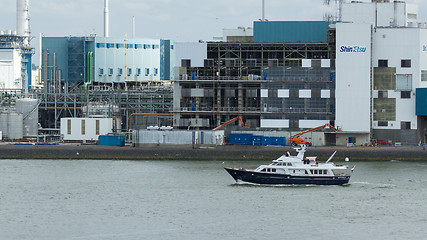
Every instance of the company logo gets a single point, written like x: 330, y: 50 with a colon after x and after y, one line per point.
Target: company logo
x: 352, y: 49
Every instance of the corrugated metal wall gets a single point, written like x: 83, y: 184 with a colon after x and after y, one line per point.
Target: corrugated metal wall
x: 178, y: 137
x: 291, y: 31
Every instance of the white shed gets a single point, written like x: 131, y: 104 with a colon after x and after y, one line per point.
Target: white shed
x: 85, y: 129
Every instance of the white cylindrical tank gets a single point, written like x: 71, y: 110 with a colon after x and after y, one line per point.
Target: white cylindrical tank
x: 15, y: 125
x: 29, y: 109
x: 3, y: 123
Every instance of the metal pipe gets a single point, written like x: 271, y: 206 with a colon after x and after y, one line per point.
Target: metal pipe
x: 53, y: 72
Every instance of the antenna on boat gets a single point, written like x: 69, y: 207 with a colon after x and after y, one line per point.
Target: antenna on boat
x: 333, y: 154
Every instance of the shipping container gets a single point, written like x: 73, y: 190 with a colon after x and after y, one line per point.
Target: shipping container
x: 112, y: 140
x: 266, y: 141
x: 257, y: 140
x: 240, y: 139
x: 278, y: 141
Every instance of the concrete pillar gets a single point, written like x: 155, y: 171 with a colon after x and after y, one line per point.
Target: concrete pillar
x: 240, y: 97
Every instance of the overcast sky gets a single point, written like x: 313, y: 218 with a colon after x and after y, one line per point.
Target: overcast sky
x: 179, y: 20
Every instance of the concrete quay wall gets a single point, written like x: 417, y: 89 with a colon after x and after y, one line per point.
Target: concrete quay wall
x: 189, y: 152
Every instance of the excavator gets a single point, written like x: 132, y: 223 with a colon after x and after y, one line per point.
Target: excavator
x: 295, y: 139
x: 247, y: 125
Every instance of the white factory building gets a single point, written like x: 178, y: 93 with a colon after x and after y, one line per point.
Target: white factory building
x: 381, y: 61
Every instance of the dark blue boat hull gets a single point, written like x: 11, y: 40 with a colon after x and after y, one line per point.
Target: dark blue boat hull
x: 275, y: 178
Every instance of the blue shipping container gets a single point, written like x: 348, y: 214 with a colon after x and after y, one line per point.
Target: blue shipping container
x: 240, y: 139
x: 112, y: 140
x: 257, y: 140
x: 279, y: 141
x: 266, y: 140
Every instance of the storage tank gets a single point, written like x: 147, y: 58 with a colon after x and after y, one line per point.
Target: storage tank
x: 29, y: 109
x: 3, y: 124
x: 15, y: 125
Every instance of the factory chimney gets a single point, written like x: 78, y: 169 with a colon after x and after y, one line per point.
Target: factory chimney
x: 23, y: 19
x: 106, y: 19
x: 263, y: 10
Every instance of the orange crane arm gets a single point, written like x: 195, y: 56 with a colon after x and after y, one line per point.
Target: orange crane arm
x: 230, y: 121
x: 314, y: 129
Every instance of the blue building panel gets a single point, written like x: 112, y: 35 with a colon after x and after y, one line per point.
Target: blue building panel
x: 421, y: 102
x: 291, y: 31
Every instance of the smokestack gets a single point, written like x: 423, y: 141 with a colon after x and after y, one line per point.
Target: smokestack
x: 106, y: 20
x: 23, y: 19
x: 133, y: 27
x: 263, y: 10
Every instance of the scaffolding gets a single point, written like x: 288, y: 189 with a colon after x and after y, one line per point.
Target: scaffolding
x: 121, y: 103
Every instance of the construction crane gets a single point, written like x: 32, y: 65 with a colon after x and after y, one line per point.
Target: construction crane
x: 294, y: 139
x: 232, y: 120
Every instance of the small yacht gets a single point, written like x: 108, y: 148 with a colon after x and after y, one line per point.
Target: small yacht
x: 289, y: 169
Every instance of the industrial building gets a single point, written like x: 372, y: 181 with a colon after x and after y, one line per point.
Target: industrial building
x: 15, y: 52
x: 122, y: 76
x: 104, y: 60
x: 362, y: 74
x: 82, y: 77
x: 380, y: 68
x: 273, y: 84
x: 362, y: 71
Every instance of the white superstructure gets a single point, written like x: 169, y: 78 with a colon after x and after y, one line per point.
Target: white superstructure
x: 381, y: 53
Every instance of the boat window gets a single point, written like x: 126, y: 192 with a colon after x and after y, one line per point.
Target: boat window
x: 263, y: 170
x: 325, y: 171
x: 273, y: 170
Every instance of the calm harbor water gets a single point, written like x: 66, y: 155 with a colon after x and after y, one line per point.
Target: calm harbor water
x: 92, y: 199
